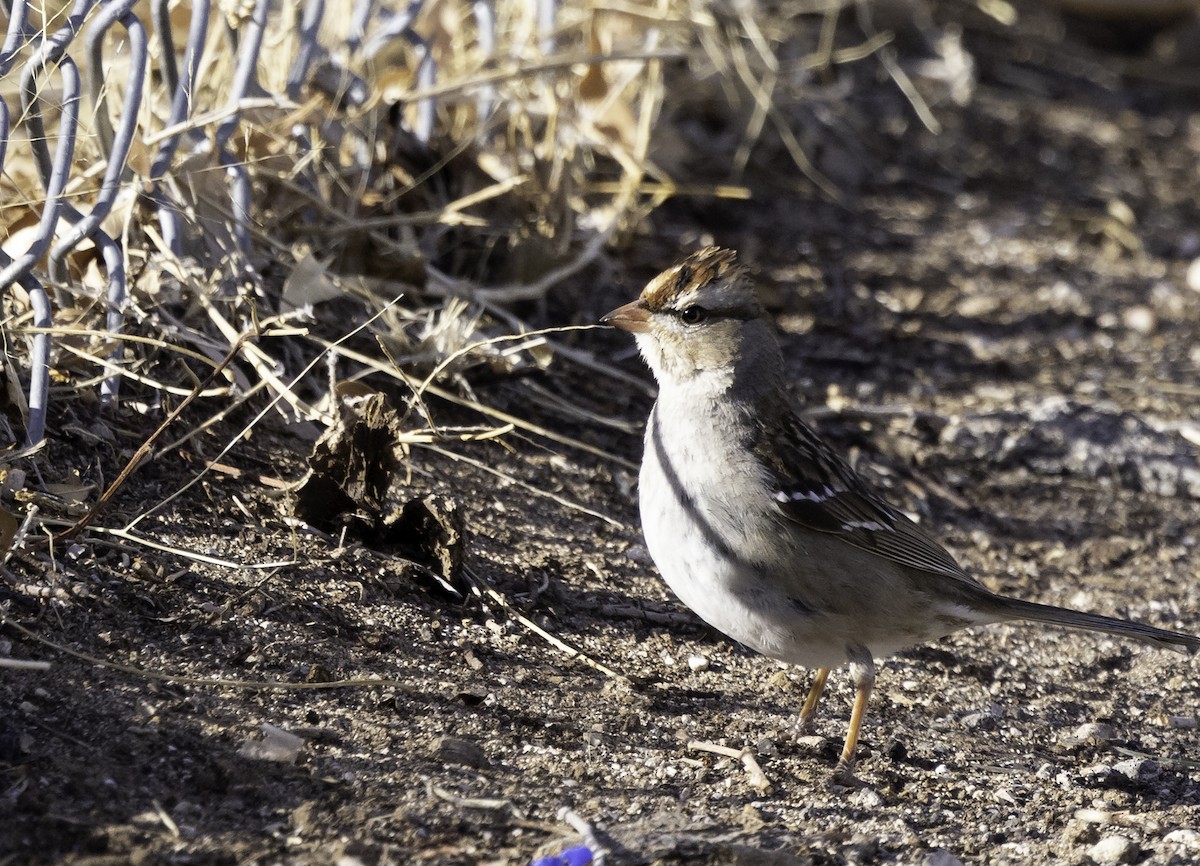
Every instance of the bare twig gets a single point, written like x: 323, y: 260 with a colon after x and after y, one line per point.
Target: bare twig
x: 757, y: 778
x: 145, y: 448
x: 489, y: 804
x: 561, y: 500
x: 559, y: 644
x: 23, y: 665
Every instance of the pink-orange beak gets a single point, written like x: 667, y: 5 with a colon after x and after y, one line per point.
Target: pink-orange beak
x: 633, y: 317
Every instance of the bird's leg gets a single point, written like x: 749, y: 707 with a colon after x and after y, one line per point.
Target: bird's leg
x: 804, y: 724
x: 862, y: 672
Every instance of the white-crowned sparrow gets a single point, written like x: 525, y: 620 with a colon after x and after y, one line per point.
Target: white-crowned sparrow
x: 764, y: 531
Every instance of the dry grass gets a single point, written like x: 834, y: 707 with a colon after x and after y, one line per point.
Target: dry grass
x: 380, y: 258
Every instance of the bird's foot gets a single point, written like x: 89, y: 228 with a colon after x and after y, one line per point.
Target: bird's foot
x: 843, y: 776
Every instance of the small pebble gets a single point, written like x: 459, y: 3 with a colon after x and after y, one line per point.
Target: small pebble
x: 979, y: 721
x: 1093, y: 732
x: 1193, y: 275
x: 452, y: 750
x: 1137, y: 768
x: 1093, y: 816
x: 941, y: 857
x: 276, y: 744
x: 1186, y: 838
x: 868, y: 798
x: 752, y: 819
x: 698, y: 662
x: 1140, y: 319
x: 813, y: 743
x: 1079, y: 832
x: 1187, y: 723
x: 1121, y: 212
x: 1114, y: 850
x: 639, y: 554
x: 1003, y: 795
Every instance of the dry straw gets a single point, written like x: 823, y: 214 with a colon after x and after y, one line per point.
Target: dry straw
x: 369, y: 253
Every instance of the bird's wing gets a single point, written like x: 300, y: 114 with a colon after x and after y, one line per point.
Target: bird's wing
x: 817, y: 490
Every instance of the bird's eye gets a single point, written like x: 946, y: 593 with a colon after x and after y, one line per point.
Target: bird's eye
x: 693, y: 315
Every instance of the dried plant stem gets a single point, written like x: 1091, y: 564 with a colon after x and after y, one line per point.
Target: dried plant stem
x: 566, y: 648
x: 444, y: 286
x: 496, y: 414
x: 561, y: 500
x: 887, y: 58
x: 188, y: 554
x: 530, y: 70
x: 283, y: 391
x: 669, y: 189
x: 242, y: 398
x: 530, y: 427
x: 757, y: 778
x: 23, y: 665
x: 100, y: 333
x: 263, y: 364
x: 126, y: 373
x: 145, y: 448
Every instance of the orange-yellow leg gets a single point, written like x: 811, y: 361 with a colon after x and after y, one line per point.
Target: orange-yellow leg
x: 862, y: 672
x: 804, y: 725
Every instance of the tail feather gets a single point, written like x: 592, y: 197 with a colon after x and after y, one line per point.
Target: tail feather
x: 1028, y: 610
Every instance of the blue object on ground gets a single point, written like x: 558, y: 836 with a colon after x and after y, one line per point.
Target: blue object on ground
x: 578, y: 856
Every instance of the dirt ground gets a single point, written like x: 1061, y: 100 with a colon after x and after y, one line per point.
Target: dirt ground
x: 998, y: 326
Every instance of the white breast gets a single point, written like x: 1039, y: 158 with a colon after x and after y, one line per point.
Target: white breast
x: 720, y: 544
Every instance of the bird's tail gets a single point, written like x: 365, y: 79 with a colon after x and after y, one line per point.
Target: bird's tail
x: 1016, y: 609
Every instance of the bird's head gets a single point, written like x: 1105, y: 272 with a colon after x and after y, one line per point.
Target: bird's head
x: 699, y: 318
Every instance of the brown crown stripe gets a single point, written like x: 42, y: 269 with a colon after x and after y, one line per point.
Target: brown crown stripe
x: 698, y: 269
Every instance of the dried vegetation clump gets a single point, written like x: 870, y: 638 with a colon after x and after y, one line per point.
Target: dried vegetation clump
x: 387, y: 210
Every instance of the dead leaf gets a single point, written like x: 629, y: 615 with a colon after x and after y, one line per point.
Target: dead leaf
x: 359, y: 483
x: 608, y: 110
x: 308, y: 284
